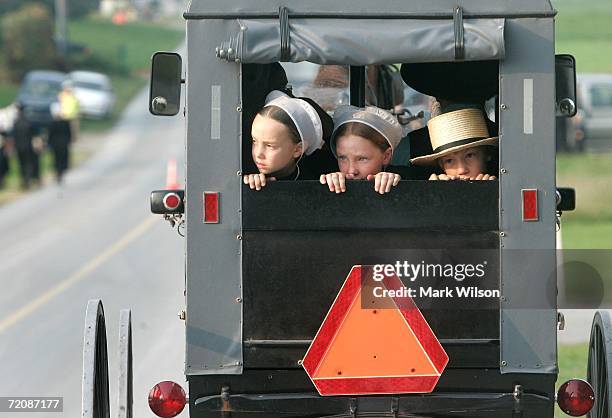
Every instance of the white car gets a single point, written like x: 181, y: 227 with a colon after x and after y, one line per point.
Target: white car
x: 595, y: 110
x: 94, y: 93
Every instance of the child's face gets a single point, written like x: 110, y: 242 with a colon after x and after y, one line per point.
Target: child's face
x: 358, y: 157
x: 468, y: 162
x: 273, y: 150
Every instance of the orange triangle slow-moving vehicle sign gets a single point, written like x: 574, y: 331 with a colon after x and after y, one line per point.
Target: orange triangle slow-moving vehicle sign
x: 380, y: 350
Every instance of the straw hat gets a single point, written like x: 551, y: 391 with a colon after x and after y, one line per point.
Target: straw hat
x: 456, y: 131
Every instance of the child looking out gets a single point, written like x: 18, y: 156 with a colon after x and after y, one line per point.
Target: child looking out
x: 363, y: 142
x: 461, y: 146
x: 283, y: 131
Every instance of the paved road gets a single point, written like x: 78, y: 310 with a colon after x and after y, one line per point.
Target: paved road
x: 94, y: 238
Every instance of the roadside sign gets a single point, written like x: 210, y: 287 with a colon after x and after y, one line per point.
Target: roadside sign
x: 386, y: 349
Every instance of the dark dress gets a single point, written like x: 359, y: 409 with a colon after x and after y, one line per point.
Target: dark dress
x: 23, y: 133
x: 60, y: 136
x: 4, y: 161
x: 257, y: 81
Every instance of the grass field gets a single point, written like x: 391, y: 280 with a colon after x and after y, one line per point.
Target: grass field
x: 590, y: 225
x: 583, y: 30
x: 7, y: 94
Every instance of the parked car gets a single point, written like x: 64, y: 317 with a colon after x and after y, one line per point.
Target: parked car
x: 38, y: 93
x: 594, y: 118
x: 94, y: 93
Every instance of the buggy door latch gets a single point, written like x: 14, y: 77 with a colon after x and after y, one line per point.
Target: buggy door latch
x: 560, y: 321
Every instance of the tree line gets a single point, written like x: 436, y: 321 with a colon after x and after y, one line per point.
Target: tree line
x: 27, y: 35
x: 76, y: 8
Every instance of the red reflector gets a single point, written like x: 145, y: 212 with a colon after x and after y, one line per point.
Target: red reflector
x: 575, y: 397
x: 172, y: 201
x: 530, y: 204
x: 167, y: 399
x: 363, y: 351
x: 211, y: 207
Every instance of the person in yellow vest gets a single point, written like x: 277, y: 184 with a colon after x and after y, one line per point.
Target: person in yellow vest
x: 63, y: 129
x: 69, y: 106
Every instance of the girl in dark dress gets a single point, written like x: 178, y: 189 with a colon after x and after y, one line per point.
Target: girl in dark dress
x: 284, y: 132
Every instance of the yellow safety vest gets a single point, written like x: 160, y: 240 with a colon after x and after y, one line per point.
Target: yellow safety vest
x: 69, y: 106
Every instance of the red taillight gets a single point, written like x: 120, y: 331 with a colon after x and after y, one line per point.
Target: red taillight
x: 172, y: 201
x: 167, y: 399
x: 575, y: 397
x: 211, y: 207
x: 530, y: 204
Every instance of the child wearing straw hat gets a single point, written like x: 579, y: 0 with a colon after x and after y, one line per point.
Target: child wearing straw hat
x: 283, y: 131
x: 461, y: 146
x: 363, y: 142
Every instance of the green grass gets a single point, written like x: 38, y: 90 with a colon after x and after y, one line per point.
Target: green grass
x: 581, y: 5
x: 591, y: 176
x: 7, y: 94
x: 590, y: 225
x: 129, y: 46
x: 572, y: 361
x: 581, y: 234
x: 583, y: 30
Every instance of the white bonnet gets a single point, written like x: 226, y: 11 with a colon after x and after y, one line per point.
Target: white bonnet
x: 304, y: 116
x: 382, y: 121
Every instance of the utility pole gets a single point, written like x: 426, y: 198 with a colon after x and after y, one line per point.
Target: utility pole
x: 61, y: 29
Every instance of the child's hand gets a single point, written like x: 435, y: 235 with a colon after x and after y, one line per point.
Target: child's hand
x: 443, y: 177
x: 484, y: 177
x: 335, y: 181
x: 478, y: 177
x: 256, y: 181
x: 384, y: 181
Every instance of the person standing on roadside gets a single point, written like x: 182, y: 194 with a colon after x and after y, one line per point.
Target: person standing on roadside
x: 4, y: 160
x: 22, y: 135
x: 63, y: 130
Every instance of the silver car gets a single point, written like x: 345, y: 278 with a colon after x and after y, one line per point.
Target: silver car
x: 595, y: 105
x: 94, y: 93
